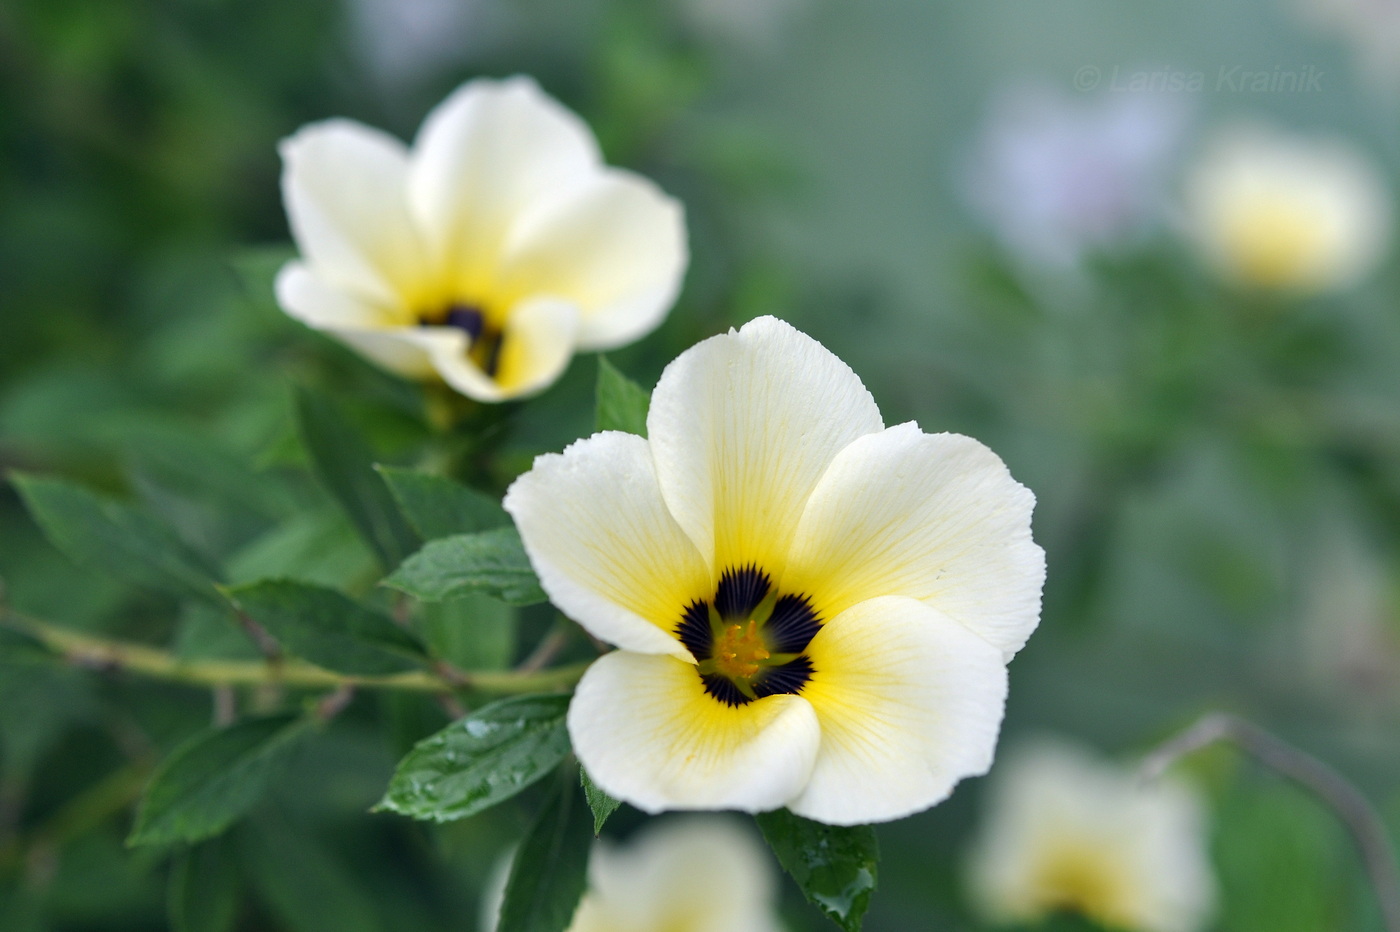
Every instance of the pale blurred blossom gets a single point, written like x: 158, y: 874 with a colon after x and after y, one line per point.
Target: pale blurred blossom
x: 1287, y: 213
x: 1054, y: 177
x: 690, y: 874
x: 1067, y: 832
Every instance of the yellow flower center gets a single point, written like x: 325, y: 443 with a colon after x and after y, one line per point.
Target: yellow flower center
x: 740, y: 651
x: 1088, y: 883
x: 1275, y: 243
x: 484, y: 332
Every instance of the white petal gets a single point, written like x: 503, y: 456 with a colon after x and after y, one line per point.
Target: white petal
x: 606, y: 549
x: 742, y: 426
x: 364, y: 325
x: 648, y: 734
x: 667, y: 876
x: 935, y: 517
x: 483, y: 155
x: 616, y: 247
x: 909, y: 701
x: 536, y: 346
x: 345, y: 189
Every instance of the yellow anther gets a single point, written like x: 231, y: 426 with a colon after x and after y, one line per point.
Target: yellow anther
x: 740, y: 651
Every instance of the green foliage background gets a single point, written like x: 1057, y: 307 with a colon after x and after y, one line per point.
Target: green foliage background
x: 1218, y: 477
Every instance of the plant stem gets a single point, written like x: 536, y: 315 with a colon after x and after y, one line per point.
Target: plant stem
x: 101, y: 653
x: 1360, y: 817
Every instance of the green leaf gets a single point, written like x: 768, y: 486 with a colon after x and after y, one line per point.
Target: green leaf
x: 601, y: 804
x: 214, y: 779
x: 550, y: 871
x: 203, y: 893
x: 438, y: 507
x: 621, y: 403
x: 480, y: 760
x: 328, y: 628
x: 471, y: 632
x: 493, y: 562
x: 835, y: 866
x: 98, y: 531
x: 343, y: 462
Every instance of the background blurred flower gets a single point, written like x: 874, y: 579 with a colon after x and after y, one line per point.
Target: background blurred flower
x: 1287, y: 213
x: 687, y: 874
x: 1054, y: 177
x: 1064, y: 831
x: 485, y: 256
x: 814, y: 611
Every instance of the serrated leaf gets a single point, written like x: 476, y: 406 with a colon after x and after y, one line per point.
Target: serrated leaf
x: 98, y: 531
x: 493, y: 562
x: 621, y: 403
x: 835, y: 866
x: 600, y: 803
x: 328, y: 628
x: 550, y: 872
x: 480, y: 760
x: 438, y: 507
x: 214, y: 779
x: 344, y: 463
x: 203, y: 895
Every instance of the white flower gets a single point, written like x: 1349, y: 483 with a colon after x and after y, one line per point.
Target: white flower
x: 1055, y: 177
x: 1287, y: 213
x: 1065, y: 831
x: 689, y: 874
x: 814, y: 611
x: 486, y: 255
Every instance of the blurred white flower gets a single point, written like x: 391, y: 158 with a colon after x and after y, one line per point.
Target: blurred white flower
x: 813, y: 610
x: 1287, y: 213
x: 1373, y: 29
x: 486, y: 255
x: 689, y: 874
x: 1064, y: 831
x: 1054, y: 177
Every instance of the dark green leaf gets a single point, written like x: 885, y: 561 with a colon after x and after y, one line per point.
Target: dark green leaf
x: 438, y: 507
x: 493, y: 562
x: 622, y: 404
x: 305, y: 886
x: 131, y: 545
x: 471, y: 632
x: 601, y: 804
x: 835, y: 866
x: 550, y: 871
x: 214, y: 779
x: 344, y: 464
x: 477, y: 762
x: 328, y: 628
x: 204, y: 889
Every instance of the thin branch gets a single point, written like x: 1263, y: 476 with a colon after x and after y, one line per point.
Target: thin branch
x: 110, y: 654
x: 545, y: 651
x: 1360, y: 817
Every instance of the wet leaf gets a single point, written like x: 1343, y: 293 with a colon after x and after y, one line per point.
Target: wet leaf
x: 835, y: 866
x: 480, y: 760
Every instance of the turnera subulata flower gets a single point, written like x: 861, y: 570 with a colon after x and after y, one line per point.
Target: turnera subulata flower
x: 1066, y: 832
x: 812, y: 610
x: 488, y: 253
x: 1287, y: 214
x: 686, y: 874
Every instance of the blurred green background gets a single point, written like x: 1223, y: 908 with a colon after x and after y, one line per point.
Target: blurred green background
x: 1218, y: 475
